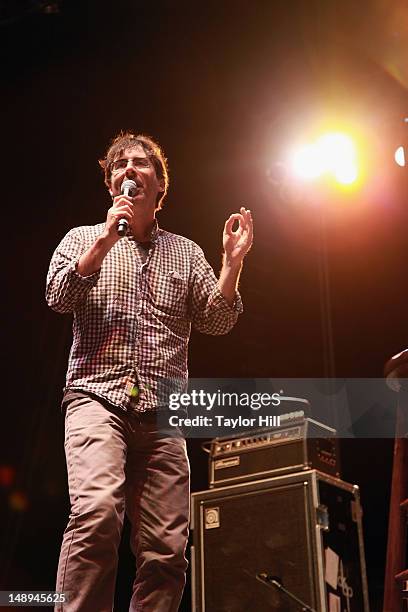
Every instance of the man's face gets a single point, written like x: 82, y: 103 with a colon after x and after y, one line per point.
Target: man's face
x: 135, y: 165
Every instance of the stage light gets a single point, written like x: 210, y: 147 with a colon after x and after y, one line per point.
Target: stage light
x: 346, y: 175
x: 399, y: 156
x: 18, y: 501
x: 307, y: 163
x: 7, y: 475
x: 331, y: 154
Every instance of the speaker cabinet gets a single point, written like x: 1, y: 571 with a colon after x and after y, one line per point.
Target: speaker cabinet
x: 304, y: 528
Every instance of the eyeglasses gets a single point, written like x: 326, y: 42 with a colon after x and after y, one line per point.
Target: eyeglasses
x: 137, y: 162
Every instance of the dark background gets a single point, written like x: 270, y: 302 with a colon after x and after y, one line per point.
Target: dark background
x: 225, y: 87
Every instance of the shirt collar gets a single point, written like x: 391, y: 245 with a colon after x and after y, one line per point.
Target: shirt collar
x: 153, y: 234
x: 155, y: 231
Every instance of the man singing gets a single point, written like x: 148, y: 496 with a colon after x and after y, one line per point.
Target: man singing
x: 133, y: 299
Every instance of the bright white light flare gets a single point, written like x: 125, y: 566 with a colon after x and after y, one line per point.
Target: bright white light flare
x: 400, y: 156
x: 332, y: 153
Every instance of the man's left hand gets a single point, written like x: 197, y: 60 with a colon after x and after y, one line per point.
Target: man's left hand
x: 238, y: 242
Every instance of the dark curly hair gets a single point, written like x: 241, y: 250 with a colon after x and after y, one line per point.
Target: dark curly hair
x: 129, y: 140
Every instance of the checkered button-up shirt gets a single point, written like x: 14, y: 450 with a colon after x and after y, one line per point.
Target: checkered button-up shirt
x: 133, y: 317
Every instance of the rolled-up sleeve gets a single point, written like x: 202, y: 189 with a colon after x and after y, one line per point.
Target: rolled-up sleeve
x: 211, y: 313
x: 66, y: 288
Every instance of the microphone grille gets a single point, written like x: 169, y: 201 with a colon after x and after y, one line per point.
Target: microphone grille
x: 130, y: 186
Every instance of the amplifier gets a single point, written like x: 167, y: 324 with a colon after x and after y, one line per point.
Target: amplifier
x: 300, y: 443
x: 302, y: 529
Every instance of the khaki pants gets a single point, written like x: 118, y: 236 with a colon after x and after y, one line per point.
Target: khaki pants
x: 117, y: 462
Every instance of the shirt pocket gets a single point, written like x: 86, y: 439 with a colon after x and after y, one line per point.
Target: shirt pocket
x: 169, y: 293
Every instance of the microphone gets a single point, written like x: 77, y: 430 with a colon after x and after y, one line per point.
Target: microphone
x: 276, y: 582
x: 128, y: 188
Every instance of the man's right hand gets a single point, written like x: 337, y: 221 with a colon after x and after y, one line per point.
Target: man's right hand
x: 92, y: 259
x: 122, y: 208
